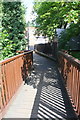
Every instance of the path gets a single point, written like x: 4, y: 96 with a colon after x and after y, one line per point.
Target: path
x: 43, y: 96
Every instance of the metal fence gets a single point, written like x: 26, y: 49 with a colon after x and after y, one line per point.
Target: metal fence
x: 12, y: 73
x: 70, y: 70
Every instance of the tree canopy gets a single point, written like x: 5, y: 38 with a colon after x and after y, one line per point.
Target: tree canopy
x: 52, y: 15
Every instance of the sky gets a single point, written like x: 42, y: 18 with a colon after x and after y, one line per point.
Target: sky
x: 29, y: 5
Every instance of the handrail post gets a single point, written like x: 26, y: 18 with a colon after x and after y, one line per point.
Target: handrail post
x: 0, y: 91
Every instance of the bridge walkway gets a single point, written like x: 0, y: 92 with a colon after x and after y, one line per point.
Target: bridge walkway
x: 43, y: 95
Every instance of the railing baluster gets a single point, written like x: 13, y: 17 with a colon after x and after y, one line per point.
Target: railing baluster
x: 12, y: 72
x: 70, y: 70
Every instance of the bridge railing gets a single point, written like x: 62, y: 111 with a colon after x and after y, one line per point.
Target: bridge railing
x: 12, y: 73
x: 70, y: 70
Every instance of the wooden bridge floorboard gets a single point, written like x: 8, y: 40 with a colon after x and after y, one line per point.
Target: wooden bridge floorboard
x: 43, y: 95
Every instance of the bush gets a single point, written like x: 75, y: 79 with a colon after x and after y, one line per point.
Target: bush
x: 72, y: 31
x: 12, y: 36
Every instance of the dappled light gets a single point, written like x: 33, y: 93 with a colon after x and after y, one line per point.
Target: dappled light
x: 51, y: 100
x: 40, y: 60
x: 43, y: 96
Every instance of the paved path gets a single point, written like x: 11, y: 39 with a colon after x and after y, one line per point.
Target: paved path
x: 43, y: 95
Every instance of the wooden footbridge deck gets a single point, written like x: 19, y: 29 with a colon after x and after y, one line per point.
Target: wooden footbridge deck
x: 42, y: 95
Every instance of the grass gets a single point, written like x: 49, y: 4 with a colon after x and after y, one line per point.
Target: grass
x: 75, y: 54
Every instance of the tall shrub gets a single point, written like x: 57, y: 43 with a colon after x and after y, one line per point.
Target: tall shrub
x: 13, y: 27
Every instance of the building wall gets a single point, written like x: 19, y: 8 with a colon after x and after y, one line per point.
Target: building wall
x: 33, y: 38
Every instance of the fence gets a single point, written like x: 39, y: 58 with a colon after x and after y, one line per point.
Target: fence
x: 47, y: 48
x: 70, y: 69
x: 12, y: 73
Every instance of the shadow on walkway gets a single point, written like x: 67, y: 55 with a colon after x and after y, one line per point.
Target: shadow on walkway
x: 51, y: 100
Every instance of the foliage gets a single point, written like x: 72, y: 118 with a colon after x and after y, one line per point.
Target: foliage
x: 52, y: 15
x: 0, y: 28
x: 75, y: 54
x: 67, y: 35
x: 6, y: 45
x: 13, y: 26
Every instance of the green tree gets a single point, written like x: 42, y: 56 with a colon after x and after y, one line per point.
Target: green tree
x: 13, y: 27
x: 52, y: 15
x: 0, y: 28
